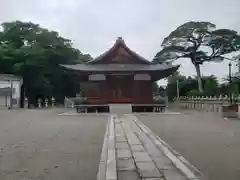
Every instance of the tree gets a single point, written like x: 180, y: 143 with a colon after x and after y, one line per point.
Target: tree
x: 155, y: 88
x: 162, y: 91
x: 34, y: 53
x: 200, y: 42
x: 171, y: 88
x: 188, y: 86
x: 211, y: 86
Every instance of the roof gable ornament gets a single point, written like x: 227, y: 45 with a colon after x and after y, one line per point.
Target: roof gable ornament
x: 120, y: 40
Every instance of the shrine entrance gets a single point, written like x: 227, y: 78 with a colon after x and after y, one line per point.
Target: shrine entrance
x: 120, y: 88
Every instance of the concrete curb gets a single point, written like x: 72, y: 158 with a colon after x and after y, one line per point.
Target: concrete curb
x: 107, y: 169
x: 156, y: 113
x: 103, y: 160
x: 82, y: 114
x: 190, y: 171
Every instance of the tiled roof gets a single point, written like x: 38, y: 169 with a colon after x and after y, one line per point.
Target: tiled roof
x: 118, y: 44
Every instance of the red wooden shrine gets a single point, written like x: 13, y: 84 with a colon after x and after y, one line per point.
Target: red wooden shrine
x: 120, y: 75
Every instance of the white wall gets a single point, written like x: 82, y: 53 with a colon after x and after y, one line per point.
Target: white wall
x: 16, y: 95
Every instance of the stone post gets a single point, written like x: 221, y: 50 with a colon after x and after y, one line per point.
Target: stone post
x: 238, y: 110
x: 26, y: 102
x: 226, y: 97
x: 210, y: 103
x: 214, y: 107
x: 219, y: 107
x: 211, y: 109
x: 238, y: 99
x: 39, y: 101
x: 220, y: 97
x: 46, y: 102
x: 65, y: 102
x: 53, y: 101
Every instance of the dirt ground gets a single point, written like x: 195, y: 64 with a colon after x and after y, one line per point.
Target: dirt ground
x: 42, y: 145
x: 209, y: 142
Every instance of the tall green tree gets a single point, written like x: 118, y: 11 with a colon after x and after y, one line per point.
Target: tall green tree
x: 155, y: 88
x: 211, y: 86
x: 188, y: 86
x: 200, y: 42
x: 35, y: 53
x: 171, y: 88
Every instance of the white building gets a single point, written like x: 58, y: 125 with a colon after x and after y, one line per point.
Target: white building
x: 8, y: 82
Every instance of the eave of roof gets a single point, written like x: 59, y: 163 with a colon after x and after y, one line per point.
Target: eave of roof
x: 8, y: 77
x: 119, y: 67
x: 157, y: 71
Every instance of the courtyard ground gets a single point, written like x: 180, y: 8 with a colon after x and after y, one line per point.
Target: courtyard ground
x: 42, y: 145
x: 209, y: 142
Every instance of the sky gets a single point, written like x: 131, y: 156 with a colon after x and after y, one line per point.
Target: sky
x: 94, y: 25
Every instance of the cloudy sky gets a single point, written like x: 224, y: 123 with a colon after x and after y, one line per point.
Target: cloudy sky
x: 93, y: 25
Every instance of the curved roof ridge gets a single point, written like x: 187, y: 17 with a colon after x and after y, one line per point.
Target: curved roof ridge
x: 119, y: 42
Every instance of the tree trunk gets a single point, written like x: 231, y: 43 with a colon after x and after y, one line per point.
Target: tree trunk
x: 199, y: 78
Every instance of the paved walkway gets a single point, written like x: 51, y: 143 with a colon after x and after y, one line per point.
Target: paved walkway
x: 208, y: 141
x: 131, y: 151
x: 120, y: 108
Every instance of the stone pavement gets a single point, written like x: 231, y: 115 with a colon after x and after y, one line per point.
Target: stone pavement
x: 120, y: 108
x: 207, y: 140
x: 41, y: 145
x: 131, y: 151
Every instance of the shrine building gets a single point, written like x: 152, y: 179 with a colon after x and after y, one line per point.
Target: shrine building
x: 120, y: 75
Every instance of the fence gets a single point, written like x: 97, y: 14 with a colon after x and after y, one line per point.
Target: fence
x: 208, y: 104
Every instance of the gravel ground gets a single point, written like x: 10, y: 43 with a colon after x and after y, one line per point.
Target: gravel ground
x: 41, y: 145
x: 209, y: 142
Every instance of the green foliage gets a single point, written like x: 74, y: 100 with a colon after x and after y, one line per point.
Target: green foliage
x: 223, y: 41
x: 162, y: 91
x: 191, y: 40
x: 210, y: 86
x: 194, y: 92
x: 158, y: 91
x: 188, y: 86
x: 224, y: 89
x: 35, y: 53
x: 235, y: 89
x: 175, y: 76
x: 155, y: 88
x: 172, y: 84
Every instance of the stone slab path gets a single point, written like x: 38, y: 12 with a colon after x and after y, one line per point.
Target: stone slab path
x: 131, y: 151
x: 120, y: 108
